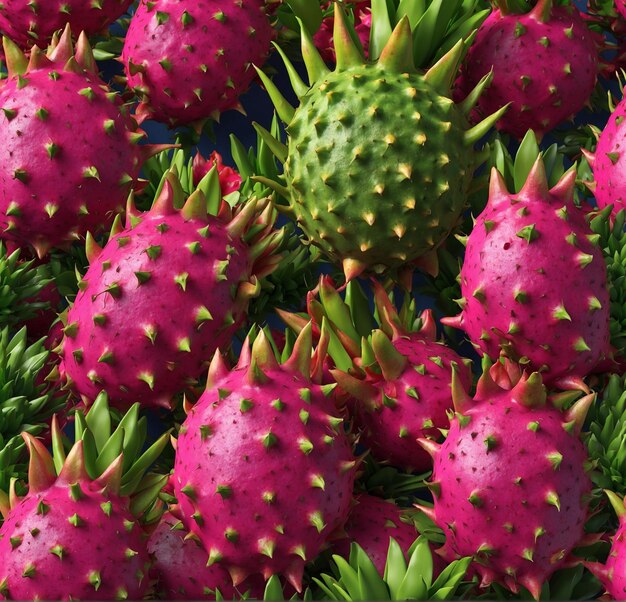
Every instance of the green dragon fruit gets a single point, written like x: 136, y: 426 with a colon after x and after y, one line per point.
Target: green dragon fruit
x: 28, y: 23
x: 27, y: 401
x: 509, y: 482
x: 398, y: 376
x: 165, y: 293
x: 189, y: 61
x: 544, y: 62
x: 75, y: 534
x: 379, y: 158
x: 264, y: 469
x: 534, y: 281
x: 57, y: 182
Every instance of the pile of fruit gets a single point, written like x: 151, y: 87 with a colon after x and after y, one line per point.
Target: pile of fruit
x: 380, y: 354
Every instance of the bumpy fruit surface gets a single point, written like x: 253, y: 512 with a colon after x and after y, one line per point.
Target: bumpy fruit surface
x: 405, y: 395
x: 533, y: 283
x: 57, y: 181
x: 43, y: 555
x: 510, y: 487
x: 378, y: 161
x: 544, y: 62
x: 75, y: 534
x: 191, y: 60
x: 372, y: 522
x: 609, y: 162
x: 29, y: 23
x: 180, y: 567
x: 613, y: 573
x: 162, y: 296
x: 264, y: 469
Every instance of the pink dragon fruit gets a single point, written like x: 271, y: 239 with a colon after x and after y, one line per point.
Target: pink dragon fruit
x: 509, y: 482
x: 28, y: 23
x: 402, y: 384
x: 179, y: 564
x: 608, y: 163
x: 164, y: 294
x: 613, y: 573
x: 189, y: 61
x: 230, y: 180
x: 545, y: 63
x: 57, y: 182
x: 264, y: 469
x: 372, y: 522
x: 534, y: 283
x: 74, y: 536
x: 323, y: 39
x: 620, y: 6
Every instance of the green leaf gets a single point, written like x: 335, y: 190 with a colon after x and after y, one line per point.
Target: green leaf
x: 525, y: 159
x: 395, y: 568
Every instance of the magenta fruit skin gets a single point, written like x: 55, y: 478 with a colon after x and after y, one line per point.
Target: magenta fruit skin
x: 533, y: 282
x: 546, y: 70
x: 179, y: 566
x: 421, y: 401
x: 372, y: 522
x: 26, y: 25
x: 609, y: 162
x: 57, y: 182
x: 137, y: 330
x: 192, y: 60
x: 510, y: 486
x: 43, y: 555
x: 264, y: 473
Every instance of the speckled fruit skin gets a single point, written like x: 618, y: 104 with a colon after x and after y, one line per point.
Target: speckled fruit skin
x: 264, y: 473
x: 613, y: 573
x: 609, y: 162
x: 372, y: 522
x: 180, y: 567
x: 40, y: 523
x: 533, y: 283
x: 194, y: 59
x: 29, y: 23
x: 511, y: 487
x: 50, y: 195
x: 138, y: 305
x: 413, y: 405
x: 547, y: 70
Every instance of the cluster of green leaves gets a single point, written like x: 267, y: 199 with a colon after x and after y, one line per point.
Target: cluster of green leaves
x: 612, y: 240
x: 358, y: 579
x: 27, y: 403
x: 20, y: 283
x: 437, y: 24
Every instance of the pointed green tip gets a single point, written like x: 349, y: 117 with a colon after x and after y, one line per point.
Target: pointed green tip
x: 397, y: 56
x: 617, y: 502
x: 347, y: 52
